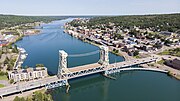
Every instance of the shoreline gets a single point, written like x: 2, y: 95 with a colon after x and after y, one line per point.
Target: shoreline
x: 95, y: 44
x: 20, y: 37
x: 37, y: 32
x: 171, y: 71
x: 124, y: 55
x: 23, y: 94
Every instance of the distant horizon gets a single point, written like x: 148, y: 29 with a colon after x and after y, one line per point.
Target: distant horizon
x: 88, y: 7
x: 92, y: 14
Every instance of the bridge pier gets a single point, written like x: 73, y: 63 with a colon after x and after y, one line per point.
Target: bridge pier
x: 104, y: 58
x: 21, y: 92
x: 104, y: 55
x: 110, y: 77
x: 68, y: 87
x: 106, y: 72
x: 66, y: 82
x: 1, y: 97
x: 62, y: 63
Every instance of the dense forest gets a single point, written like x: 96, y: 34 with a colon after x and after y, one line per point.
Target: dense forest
x: 162, y: 22
x: 12, y: 20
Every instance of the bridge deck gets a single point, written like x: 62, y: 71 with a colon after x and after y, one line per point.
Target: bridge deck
x: 130, y: 63
x: 84, y: 67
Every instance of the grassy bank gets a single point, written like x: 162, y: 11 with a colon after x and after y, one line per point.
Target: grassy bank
x: 161, y: 62
x: 3, y: 77
x: 1, y: 86
x: 137, y: 57
x: 173, y: 52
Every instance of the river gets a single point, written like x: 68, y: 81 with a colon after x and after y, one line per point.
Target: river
x: 129, y: 86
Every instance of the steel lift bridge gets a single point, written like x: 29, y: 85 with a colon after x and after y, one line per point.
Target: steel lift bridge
x: 64, y: 74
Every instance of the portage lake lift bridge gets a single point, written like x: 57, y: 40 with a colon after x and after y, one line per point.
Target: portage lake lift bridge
x: 64, y: 74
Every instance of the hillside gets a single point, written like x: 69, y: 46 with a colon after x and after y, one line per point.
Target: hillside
x: 162, y: 22
x: 12, y: 20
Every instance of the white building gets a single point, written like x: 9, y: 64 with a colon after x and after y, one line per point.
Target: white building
x: 28, y: 74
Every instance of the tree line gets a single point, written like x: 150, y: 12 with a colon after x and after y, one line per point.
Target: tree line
x: 13, y: 20
x: 158, y: 22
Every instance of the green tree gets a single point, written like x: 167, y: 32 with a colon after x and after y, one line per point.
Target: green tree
x: 17, y: 99
x: 6, y: 61
x: 9, y: 46
x: 28, y: 99
x: 15, y: 50
x: 38, y: 96
x: 158, y: 45
x: 39, y: 65
x: 11, y: 81
x: 136, y: 52
x: 1, y: 52
x: 3, y: 73
x: 166, y: 42
x: 22, y: 99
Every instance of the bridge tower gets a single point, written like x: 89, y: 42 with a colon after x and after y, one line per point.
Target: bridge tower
x: 62, y: 62
x: 104, y: 56
x: 62, y: 65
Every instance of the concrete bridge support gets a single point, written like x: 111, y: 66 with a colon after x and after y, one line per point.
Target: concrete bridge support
x: 1, y: 97
x: 104, y: 57
x: 62, y: 69
x: 62, y: 63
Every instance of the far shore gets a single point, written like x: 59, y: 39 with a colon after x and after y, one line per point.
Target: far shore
x: 127, y: 58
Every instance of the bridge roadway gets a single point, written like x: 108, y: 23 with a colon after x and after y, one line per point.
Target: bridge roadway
x: 77, y: 72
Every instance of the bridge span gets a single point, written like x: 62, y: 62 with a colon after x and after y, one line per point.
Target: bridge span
x: 139, y: 69
x: 65, y: 74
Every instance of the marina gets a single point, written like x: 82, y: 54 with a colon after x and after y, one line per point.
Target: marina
x: 20, y: 59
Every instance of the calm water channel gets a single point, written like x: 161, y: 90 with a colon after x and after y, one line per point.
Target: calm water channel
x: 129, y: 86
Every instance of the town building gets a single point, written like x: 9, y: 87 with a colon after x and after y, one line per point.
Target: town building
x: 166, y: 33
x: 28, y: 74
x: 175, y: 63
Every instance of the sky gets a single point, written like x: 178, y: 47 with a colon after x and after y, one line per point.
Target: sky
x: 88, y: 7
